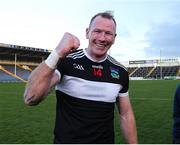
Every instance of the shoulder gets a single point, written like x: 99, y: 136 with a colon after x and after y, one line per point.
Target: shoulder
x: 76, y: 54
x: 115, y: 62
x: 70, y: 58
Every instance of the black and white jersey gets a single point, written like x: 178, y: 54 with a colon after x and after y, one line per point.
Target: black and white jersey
x: 86, y: 95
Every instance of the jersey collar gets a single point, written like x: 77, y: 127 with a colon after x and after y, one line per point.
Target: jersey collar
x: 89, y: 57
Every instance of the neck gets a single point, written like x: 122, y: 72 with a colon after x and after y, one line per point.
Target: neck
x: 94, y: 57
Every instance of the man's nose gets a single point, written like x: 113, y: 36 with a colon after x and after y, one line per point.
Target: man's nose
x: 102, y: 36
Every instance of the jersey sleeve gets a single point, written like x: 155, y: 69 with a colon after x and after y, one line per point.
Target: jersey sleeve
x: 58, y: 73
x: 60, y: 68
x: 125, y: 85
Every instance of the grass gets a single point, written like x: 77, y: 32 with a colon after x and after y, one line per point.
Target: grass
x: 22, y: 124
x: 151, y: 100
x: 152, y: 103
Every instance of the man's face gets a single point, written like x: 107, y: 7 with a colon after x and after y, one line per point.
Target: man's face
x: 101, y: 34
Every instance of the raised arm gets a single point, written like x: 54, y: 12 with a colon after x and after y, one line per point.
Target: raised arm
x: 127, y: 119
x: 40, y: 82
x: 44, y: 77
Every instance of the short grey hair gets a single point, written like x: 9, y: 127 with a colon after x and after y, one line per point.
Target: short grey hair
x: 106, y: 14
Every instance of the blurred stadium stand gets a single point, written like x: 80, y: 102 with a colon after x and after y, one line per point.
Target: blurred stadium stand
x: 17, y: 62
x: 154, y: 69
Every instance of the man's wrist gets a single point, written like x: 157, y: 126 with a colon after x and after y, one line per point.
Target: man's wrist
x: 52, y: 59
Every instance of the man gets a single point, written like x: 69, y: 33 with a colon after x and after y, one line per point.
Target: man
x: 88, y: 83
x: 176, y: 116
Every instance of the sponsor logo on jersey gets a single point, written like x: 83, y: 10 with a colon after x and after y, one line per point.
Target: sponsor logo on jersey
x: 97, y: 66
x: 114, y: 73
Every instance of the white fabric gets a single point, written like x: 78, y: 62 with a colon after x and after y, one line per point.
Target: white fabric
x: 52, y: 59
x: 58, y: 73
x: 124, y: 94
x: 89, y: 90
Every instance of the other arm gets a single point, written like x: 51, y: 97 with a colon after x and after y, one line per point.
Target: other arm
x: 127, y: 120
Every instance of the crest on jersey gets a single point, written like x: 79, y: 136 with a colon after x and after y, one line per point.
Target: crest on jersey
x: 114, y: 73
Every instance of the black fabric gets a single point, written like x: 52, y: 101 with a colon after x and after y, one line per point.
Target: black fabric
x: 83, y: 121
x: 176, y: 115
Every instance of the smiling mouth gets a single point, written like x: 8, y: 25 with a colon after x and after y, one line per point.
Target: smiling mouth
x: 101, y: 45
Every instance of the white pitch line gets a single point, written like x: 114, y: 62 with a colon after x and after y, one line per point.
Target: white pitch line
x: 152, y: 99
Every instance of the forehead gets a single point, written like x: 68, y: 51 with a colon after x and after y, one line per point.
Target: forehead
x: 103, y: 23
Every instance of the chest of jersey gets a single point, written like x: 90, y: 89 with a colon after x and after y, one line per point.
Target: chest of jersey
x: 82, y: 78
x: 92, y: 71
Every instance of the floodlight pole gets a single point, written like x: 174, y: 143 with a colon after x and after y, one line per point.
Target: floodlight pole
x: 160, y: 65
x: 15, y: 63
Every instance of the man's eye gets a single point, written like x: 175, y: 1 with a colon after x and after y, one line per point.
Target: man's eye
x: 109, y: 33
x: 97, y: 31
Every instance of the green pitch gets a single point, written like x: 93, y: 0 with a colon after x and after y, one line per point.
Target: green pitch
x: 152, y: 103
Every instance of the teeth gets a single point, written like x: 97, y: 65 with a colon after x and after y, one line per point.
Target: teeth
x: 101, y: 45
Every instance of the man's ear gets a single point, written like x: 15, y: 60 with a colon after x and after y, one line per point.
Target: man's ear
x: 87, y: 32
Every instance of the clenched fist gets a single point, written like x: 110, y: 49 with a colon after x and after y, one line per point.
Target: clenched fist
x: 67, y: 44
